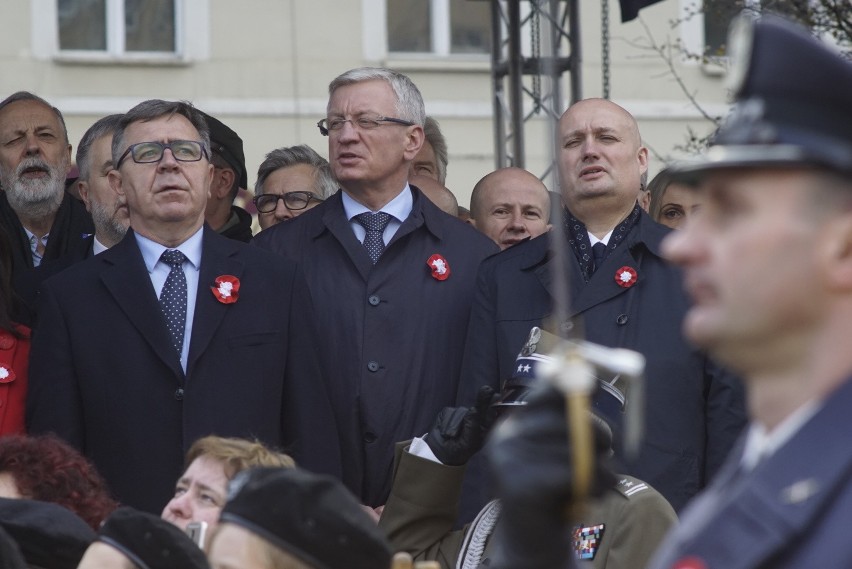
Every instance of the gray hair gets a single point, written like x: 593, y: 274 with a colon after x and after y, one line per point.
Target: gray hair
x: 324, y: 181
x: 409, y: 101
x: 27, y: 96
x: 153, y: 109
x: 434, y: 136
x: 102, y: 127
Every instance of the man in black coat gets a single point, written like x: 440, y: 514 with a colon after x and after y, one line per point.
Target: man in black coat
x: 621, y: 292
x: 43, y: 221
x: 228, y: 349
x: 393, y: 300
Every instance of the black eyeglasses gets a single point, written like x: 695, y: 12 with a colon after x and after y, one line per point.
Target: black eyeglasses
x: 294, y: 201
x: 363, y: 123
x: 150, y: 152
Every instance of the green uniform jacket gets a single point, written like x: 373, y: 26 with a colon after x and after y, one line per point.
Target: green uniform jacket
x: 622, y: 529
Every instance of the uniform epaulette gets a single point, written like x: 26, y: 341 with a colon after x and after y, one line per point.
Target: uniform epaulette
x: 629, y: 486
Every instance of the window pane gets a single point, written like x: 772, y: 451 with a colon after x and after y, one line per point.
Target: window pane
x: 470, y: 26
x: 149, y: 25
x: 409, y: 27
x: 717, y: 18
x: 82, y: 24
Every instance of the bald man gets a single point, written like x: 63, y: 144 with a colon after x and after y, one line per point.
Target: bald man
x: 624, y: 292
x: 437, y: 193
x: 510, y: 205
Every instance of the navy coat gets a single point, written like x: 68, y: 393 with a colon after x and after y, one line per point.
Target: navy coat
x: 694, y: 410
x: 393, y: 334
x: 105, y: 377
x: 793, y: 510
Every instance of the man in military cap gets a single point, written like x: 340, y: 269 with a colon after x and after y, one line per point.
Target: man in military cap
x: 768, y: 264
x: 621, y: 529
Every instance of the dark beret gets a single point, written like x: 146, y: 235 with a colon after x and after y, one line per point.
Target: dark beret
x: 310, y: 516
x: 150, y: 542
x: 227, y: 144
x: 792, y: 109
x: 47, y: 535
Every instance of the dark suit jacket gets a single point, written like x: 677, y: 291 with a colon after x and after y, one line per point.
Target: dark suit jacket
x: 393, y: 335
x: 694, y: 410
x: 105, y: 377
x: 793, y: 510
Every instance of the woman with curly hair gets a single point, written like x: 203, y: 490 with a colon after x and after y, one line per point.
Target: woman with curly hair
x: 46, y: 469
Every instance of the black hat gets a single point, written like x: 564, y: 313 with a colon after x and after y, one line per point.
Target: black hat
x: 793, y: 108
x: 310, y: 516
x: 47, y: 534
x: 228, y: 144
x: 150, y: 542
x: 608, y: 402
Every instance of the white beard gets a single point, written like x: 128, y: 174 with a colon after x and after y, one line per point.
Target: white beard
x: 35, y: 198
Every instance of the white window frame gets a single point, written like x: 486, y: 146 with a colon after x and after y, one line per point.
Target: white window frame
x: 375, y: 39
x: 192, y: 35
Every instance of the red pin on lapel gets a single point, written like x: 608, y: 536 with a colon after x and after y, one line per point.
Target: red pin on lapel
x: 439, y: 266
x: 626, y: 276
x: 227, y: 289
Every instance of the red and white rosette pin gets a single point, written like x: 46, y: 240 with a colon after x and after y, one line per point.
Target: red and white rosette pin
x: 7, y: 374
x: 626, y: 276
x: 439, y: 266
x: 227, y: 289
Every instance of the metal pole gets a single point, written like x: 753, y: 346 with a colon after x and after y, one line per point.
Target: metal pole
x: 497, y: 77
x: 516, y: 77
x: 576, y: 51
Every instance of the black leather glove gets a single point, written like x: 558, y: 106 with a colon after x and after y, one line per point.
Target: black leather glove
x: 531, y: 459
x: 459, y: 432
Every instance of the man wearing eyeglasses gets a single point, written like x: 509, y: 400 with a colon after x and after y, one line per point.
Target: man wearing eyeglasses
x: 393, y: 276
x: 176, y: 332
x: 290, y: 181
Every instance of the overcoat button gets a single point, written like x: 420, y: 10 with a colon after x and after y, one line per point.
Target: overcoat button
x: 373, y: 366
x: 179, y: 394
x: 622, y: 319
x: 374, y: 300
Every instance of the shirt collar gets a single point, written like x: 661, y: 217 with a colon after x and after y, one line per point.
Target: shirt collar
x: 761, y: 444
x: 151, y: 250
x: 399, y: 207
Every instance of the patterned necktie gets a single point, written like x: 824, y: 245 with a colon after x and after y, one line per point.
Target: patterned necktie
x: 599, y: 254
x: 173, y: 297
x: 375, y: 224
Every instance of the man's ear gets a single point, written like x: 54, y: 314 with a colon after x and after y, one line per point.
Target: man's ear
x: 414, y: 138
x: 223, y: 181
x: 83, y: 190
x: 643, y: 159
x: 834, y: 250
x: 114, y: 179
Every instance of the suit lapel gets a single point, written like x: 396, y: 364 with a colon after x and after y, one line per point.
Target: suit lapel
x: 602, y: 286
x: 129, y: 283
x: 217, y: 258
x: 779, y: 502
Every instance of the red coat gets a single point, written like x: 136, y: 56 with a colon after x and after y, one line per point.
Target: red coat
x: 14, y: 363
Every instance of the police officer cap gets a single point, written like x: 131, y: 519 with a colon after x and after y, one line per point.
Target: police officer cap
x: 792, y: 109
x: 228, y: 144
x: 310, y: 516
x: 47, y: 534
x: 150, y: 542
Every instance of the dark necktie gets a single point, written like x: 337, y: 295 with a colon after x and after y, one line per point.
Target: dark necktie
x: 173, y: 297
x: 599, y: 253
x: 375, y: 224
